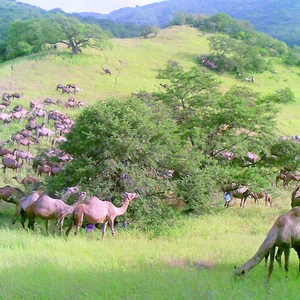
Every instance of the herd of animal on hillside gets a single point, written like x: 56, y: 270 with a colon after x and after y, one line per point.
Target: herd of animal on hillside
x: 283, y: 235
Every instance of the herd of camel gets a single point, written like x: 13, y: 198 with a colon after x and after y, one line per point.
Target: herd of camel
x: 40, y: 205
x: 283, y: 235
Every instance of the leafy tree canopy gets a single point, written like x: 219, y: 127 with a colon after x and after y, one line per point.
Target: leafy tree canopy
x: 182, y: 143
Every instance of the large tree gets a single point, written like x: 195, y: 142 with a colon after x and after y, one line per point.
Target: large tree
x: 30, y: 36
x: 75, y: 34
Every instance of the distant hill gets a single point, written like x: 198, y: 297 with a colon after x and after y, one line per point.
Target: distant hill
x: 277, y: 18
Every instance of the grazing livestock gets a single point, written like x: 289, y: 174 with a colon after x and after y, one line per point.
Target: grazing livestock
x: 27, y: 180
x: 107, y: 71
x: 296, y: 197
x: 97, y: 211
x: 47, y: 208
x: 44, y: 169
x: 42, y: 131
x: 241, y: 193
x: 291, y: 177
x: 22, y: 206
x: 284, y: 234
x: 11, y: 163
x: 10, y: 194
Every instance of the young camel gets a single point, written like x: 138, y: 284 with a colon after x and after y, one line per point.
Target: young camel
x: 48, y: 208
x: 97, y: 211
x: 284, y: 234
x: 266, y: 196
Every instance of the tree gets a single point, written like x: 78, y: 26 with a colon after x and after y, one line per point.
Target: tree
x: 173, y: 144
x: 30, y: 36
x: 75, y: 34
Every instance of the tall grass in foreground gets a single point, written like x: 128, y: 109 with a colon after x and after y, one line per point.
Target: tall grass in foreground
x: 194, y: 260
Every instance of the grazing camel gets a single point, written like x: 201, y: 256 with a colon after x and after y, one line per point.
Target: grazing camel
x: 27, y: 180
x: 289, y: 177
x: 284, y: 234
x: 10, y: 194
x: 107, y: 71
x: 97, y: 211
x: 44, y: 169
x: 11, y: 163
x: 22, y: 206
x: 242, y: 193
x: 262, y: 195
x: 48, y: 208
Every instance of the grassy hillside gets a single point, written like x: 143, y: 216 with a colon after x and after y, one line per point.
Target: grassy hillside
x: 194, y: 258
x: 134, y: 64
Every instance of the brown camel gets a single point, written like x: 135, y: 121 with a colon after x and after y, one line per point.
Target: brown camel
x: 242, y: 193
x: 27, y: 180
x: 280, y: 176
x: 284, y: 234
x: 11, y: 163
x: 10, y: 194
x: 107, y: 71
x: 97, y: 211
x: 291, y: 177
x: 266, y: 196
x: 296, y: 197
x: 47, y: 208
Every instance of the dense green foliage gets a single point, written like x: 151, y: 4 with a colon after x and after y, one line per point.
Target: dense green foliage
x: 180, y: 144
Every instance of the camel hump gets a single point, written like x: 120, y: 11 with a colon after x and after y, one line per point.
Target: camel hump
x: 243, y: 189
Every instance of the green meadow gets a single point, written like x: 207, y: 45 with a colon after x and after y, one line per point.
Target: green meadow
x: 192, y: 259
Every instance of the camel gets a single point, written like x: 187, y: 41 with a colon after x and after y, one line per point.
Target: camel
x: 262, y: 195
x: 27, y: 180
x: 281, y: 176
x: 22, y: 206
x: 11, y: 163
x: 44, y: 169
x: 107, y: 71
x: 48, y: 208
x: 296, y: 197
x: 241, y: 193
x: 98, y: 211
x: 10, y: 194
x: 284, y: 234
x: 289, y: 177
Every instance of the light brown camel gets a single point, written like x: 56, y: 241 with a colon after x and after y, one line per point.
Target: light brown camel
x: 291, y: 177
x: 284, y: 234
x: 22, y: 205
x: 47, y: 208
x: 98, y: 211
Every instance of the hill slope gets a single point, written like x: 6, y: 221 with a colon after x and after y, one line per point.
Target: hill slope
x: 134, y: 64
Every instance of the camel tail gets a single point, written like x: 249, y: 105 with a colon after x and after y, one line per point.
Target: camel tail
x: 263, y: 250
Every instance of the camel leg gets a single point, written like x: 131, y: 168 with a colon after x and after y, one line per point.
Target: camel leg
x: 31, y: 222
x: 61, y: 223
x: 111, y: 226
x: 17, y: 213
x: 47, y: 226
x: 104, y: 229
x: 286, y: 258
x: 272, y: 256
x: 23, y: 217
x: 278, y: 256
x: 297, y: 249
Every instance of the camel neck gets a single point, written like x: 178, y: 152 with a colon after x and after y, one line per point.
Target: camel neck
x: 121, y: 210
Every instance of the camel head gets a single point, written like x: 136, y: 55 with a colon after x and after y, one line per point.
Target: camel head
x: 131, y: 196
x: 72, y: 190
x: 239, y: 273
